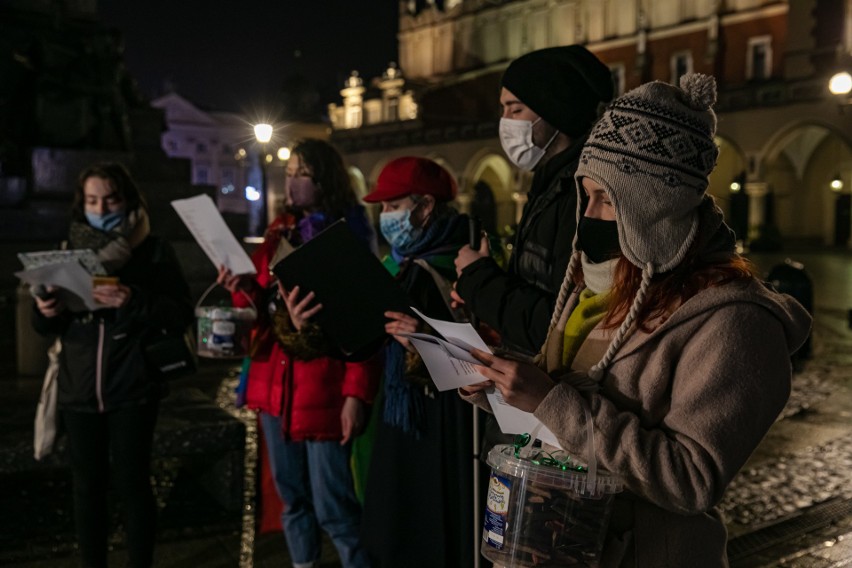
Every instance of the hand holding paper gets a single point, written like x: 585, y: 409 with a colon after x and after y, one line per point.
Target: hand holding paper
x: 72, y: 283
x: 204, y: 221
x: 452, y: 365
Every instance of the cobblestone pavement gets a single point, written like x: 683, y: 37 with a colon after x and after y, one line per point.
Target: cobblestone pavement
x: 792, y: 503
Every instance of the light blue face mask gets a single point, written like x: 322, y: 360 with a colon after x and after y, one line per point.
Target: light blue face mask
x: 106, y: 222
x: 397, y: 229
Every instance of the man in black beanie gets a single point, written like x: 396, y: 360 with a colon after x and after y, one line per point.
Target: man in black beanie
x: 550, y: 99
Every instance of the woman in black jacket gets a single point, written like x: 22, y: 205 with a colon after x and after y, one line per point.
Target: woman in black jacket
x: 108, y: 401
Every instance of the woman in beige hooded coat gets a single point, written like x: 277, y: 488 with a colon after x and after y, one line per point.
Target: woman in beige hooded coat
x: 663, y: 342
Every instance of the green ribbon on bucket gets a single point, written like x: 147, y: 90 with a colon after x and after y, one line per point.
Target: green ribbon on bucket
x: 546, y: 459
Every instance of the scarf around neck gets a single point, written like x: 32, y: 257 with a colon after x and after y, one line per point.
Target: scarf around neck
x: 404, y: 405
x: 113, y: 248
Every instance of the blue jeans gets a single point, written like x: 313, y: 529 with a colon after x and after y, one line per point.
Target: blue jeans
x: 314, y: 480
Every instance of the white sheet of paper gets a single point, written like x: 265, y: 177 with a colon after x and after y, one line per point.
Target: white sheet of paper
x: 87, y: 257
x: 461, y: 334
x: 516, y: 421
x: 446, y: 369
x: 204, y: 221
x: 74, y: 283
x: 510, y: 419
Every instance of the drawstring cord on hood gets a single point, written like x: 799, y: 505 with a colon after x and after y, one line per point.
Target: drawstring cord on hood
x: 597, y: 371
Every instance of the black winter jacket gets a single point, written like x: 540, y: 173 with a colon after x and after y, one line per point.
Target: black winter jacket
x: 101, y: 366
x: 518, y: 303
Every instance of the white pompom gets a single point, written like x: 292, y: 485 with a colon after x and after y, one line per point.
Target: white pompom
x: 700, y: 89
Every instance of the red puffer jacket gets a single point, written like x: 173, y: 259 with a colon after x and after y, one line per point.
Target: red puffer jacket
x: 308, y: 394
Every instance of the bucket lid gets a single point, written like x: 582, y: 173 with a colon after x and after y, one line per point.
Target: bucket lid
x: 247, y: 314
x: 552, y: 469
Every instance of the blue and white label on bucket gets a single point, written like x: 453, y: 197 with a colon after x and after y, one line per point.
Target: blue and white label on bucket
x: 497, y: 510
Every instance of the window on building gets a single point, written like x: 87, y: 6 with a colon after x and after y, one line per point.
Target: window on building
x: 201, y: 148
x: 226, y: 150
x: 617, y: 71
x: 759, y: 62
x: 228, y: 176
x: 172, y: 146
x: 201, y: 174
x: 353, y: 116
x: 392, y: 109
x: 681, y: 64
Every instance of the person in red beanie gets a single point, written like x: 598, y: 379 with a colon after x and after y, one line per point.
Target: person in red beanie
x: 310, y: 402
x: 422, y: 445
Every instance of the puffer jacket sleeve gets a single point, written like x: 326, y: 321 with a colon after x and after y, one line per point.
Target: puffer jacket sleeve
x: 361, y: 378
x: 728, y: 385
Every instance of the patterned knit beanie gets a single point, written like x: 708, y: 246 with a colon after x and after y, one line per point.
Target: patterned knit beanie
x: 652, y: 151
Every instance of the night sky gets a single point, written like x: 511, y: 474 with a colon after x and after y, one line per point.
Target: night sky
x: 235, y: 55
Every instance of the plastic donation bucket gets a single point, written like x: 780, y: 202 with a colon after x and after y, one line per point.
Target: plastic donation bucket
x: 224, y: 332
x: 544, y: 510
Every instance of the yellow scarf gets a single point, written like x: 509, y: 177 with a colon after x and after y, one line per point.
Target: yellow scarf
x: 591, y: 309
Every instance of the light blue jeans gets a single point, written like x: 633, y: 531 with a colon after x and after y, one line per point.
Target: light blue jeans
x: 314, y: 480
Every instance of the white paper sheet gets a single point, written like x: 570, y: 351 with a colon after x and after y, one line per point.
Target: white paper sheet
x: 74, y: 283
x: 204, y: 221
x: 516, y: 421
x: 448, y: 364
x: 87, y: 257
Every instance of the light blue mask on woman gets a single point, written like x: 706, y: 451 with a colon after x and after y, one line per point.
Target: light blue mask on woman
x: 106, y: 222
x: 397, y: 229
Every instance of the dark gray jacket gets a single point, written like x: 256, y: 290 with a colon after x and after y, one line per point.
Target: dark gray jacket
x: 101, y: 366
x: 518, y: 303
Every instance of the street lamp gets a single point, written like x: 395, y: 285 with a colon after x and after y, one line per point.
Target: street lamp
x: 840, y: 83
x: 263, y: 134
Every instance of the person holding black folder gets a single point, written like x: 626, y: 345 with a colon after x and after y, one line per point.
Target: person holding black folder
x: 312, y: 403
x: 422, y: 446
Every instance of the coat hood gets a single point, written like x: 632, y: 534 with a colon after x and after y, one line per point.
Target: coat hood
x: 795, y: 320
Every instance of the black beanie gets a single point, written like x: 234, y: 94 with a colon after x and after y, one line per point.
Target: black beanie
x: 563, y: 85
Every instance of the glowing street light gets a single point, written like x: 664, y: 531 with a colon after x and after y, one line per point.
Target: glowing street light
x: 263, y: 132
x: 836, y: 184
x: 283, y: 153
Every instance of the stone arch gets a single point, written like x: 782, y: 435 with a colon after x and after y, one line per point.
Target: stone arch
x: 359, y: 184
x: 487, y: 167
x: 798, y: 164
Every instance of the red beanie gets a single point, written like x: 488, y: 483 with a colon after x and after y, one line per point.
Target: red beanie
x: 411, y: 175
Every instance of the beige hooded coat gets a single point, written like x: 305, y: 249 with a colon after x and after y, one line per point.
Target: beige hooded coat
x: 678, y: 413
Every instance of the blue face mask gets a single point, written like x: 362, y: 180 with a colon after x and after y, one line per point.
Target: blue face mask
x: 397, y: 229
x: 106, y: 222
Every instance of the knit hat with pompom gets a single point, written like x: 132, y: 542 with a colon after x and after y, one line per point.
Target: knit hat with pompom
x: 652, y: 151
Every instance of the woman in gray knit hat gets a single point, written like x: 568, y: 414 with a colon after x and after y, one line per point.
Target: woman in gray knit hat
x: 663, y: 344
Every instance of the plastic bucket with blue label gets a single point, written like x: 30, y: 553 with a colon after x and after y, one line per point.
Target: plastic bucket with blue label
x: 224, y: 332
x: 544, y: 510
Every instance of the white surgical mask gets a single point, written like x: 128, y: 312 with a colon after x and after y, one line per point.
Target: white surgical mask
x: 516, y: 136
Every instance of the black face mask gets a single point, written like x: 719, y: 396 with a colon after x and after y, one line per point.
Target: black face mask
x: 598, y: 239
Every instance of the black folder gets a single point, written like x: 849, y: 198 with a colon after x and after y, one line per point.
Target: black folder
x: 352, y: 285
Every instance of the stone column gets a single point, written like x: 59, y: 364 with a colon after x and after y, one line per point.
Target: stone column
x: 756, y: 191
x: 520, y: 199
x: 464, y: 199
